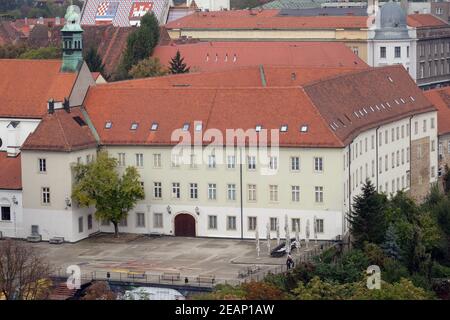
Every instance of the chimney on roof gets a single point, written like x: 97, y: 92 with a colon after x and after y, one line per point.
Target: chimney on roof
x: 66, y: 105
x: 51, y: 106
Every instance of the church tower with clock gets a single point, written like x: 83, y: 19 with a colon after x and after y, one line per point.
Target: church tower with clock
x: 72, y: 41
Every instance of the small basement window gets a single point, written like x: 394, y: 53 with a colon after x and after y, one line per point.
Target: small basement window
x: 108, y: 125
x: 154, y: 126
x: 79, y: 121
x: 134, y: 126
x: 304, y: 128
x: 284, y: 128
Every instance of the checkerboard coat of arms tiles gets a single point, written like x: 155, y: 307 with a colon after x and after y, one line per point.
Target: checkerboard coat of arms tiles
x: 122, y: 13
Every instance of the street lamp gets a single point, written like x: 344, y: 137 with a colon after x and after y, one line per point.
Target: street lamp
x: 197, y: 211
x: 14, y: 200
x: 169, y: 210
x: 68, y: 203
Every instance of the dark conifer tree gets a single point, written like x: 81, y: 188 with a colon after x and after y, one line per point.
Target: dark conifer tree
x: 177, y: 64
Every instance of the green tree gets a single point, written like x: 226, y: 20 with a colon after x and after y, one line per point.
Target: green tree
x: 177, y: 64
x: 390, y: 245
x: 367, y: 219
x: 94, y: 61
x: 42, y: 53
x: 146, y: 68
x: 140, y: 45
x: 99, y: 184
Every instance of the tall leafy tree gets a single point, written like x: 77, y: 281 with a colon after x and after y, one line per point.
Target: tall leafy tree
x: 177, y: 64
x: 99, y: 184
x: 94, y: 61
x: 146, y: 68
x: 140, y: 44
x: 367, y: 219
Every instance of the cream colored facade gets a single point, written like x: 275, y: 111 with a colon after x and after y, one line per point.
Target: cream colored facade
x: 319, y: 190
x: 355, y: 39
x: 57, y: 218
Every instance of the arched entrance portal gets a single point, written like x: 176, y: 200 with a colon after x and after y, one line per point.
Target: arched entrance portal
x: 184, y: 225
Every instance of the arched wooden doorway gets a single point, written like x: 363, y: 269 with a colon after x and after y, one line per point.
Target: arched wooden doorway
x: 184, y: 225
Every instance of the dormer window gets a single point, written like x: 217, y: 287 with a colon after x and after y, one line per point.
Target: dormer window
x: 134, y: 126
x: 304, y: 128
x: 185, y: 127
x: 258, y: 128
x: 108, y: 125
x: 198, y: 127
x: 284, y: 128
x: 154, y: 126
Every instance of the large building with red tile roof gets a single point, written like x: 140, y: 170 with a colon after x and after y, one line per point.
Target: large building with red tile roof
x: 215, y: 56
x: 326, y: 134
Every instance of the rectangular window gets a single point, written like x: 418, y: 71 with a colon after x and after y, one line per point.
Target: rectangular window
x: 273, y: 224
x: 273, y: 163
x: 372, y: 144
x: 295, y: 163
x: 380, y: 165
x: 318, y: 164
x: 382, y: 52
x: 157, y: 220
x: 121, y: 160
x: 397, y: 52
x: 176, y: 160
x: 251, y: 162
x: 193, y: 191
x: 6, y: 213
x: 176, y: 192
x: 252, y: 192
x: 251, y: 223
x: 42, y: 165
x: 386, y: 163
x: 212, y: 222
x: 380, y: 140
x: 433, y: 145
x: 392, y: 135
x: 273, y: 192
x: 157, y: 190
x: 373, y: 168
x: 432, y: 123
x: 212, y: 191
x: 156, y: 160
x: 407, y: 155
x: 139, y: 160
x: 403, y: 156
x: 193, y: 161
x: 433, y: 172
x: 211, y: 161
x: 318, y: 194
x: 46, y: 195
x: 424, y: 125
x: 397, y: 130
x: 89, y: 221
x: 295, y: 193
x: 80, y: 224
x: 386, y: 137
x: 295, y: 222
x: 123, y: 222
x: 140, y: 220
x: 231, y: 191
x: 393, y: 159
x: 319, y: 226
x: 231, y: 162
x: 231, y: 223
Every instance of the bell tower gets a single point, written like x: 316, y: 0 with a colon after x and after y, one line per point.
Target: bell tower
x: 72, y: 41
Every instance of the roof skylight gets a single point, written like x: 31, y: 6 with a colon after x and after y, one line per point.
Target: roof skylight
x: 258, y: 128
x: 304, y: 128
x: 134, y: 126
x: 108, y: 125
x: 154, y: 126
x: 198, y: 127
x: 185, y: 127
x: 284, y: 128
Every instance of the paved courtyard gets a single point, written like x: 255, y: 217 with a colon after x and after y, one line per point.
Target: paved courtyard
x: 191, y: 257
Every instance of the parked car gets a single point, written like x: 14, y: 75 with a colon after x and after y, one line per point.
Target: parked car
x: 280, y: 250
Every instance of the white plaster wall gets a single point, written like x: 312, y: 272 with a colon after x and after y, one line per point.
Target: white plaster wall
x: 13, y: 228
x: 17, y: 136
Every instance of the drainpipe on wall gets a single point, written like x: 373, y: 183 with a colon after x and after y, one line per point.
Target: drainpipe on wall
x: 241, y: 192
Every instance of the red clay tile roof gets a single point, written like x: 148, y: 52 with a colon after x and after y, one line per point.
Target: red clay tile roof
x: 357, y: 101
x: 217, y: 108
x: 27, y: 85
x: 61, y: 132
x: 214, y: 56
x: 10, y: 172
x: 441, y: 100
x: 419, y: 20
x: 254, y: 76
x: 264, y: 19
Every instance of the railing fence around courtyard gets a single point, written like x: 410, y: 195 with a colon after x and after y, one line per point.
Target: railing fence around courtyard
x: 252, y: 272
